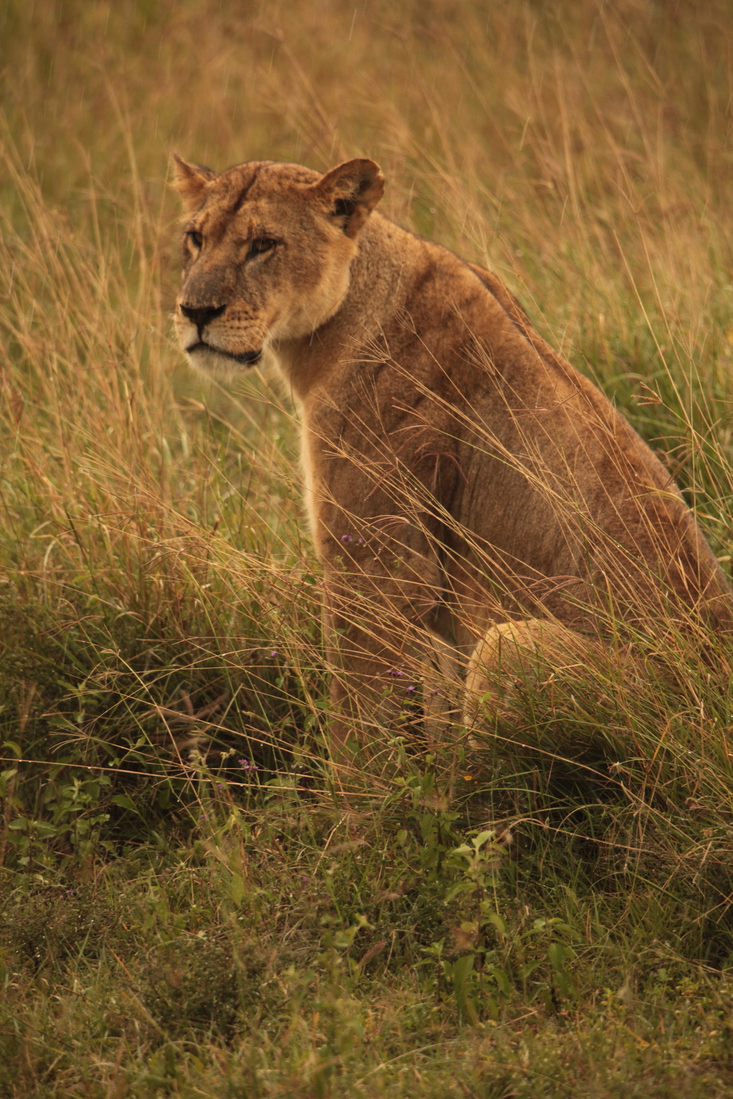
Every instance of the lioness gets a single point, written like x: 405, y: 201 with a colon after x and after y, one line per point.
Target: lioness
x: 459, y: 472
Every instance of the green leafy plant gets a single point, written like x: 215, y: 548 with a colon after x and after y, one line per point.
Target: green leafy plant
x: 497, y: 957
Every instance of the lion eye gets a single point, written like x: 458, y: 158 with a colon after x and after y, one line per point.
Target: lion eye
x: 196, y: 239
x: 260, y: 245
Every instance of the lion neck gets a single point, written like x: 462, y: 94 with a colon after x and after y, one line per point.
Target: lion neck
x: 384, y: 266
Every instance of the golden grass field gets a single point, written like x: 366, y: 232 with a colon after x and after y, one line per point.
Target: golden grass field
x: 174, y: 922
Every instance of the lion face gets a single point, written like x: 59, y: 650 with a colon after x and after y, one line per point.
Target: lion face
x: 266, y: 254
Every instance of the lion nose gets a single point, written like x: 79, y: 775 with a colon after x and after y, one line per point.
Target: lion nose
x: 202, y: 315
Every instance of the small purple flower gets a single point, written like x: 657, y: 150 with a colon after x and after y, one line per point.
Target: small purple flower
x: 394, y: 671
x: 346, y: 538
x: 410, y: 689
x: 361, y: 542
x: 248, y: 765
x: 203, y: 817
x: 273, y: 654
x: 220, y: 785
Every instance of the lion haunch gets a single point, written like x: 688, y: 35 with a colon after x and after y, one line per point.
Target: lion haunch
x: 459, y: 473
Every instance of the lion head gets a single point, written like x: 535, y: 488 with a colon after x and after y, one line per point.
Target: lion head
x: 267, y: 249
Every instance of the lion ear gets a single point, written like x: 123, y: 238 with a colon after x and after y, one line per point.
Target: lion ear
x: 190, y: 180
x: 352, y: 190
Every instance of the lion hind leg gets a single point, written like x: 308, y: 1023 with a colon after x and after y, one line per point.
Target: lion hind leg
x: 514, y: 658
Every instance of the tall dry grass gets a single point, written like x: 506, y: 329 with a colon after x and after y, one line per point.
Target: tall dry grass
x: 581, y: 151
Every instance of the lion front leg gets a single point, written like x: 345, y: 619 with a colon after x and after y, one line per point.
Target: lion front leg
x: 366, y: 679
x: 380, y: 653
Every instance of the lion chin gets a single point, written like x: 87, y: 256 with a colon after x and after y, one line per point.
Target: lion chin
x: 221, y: 364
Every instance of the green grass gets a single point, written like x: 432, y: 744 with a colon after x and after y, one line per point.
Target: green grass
x: 187, y: 905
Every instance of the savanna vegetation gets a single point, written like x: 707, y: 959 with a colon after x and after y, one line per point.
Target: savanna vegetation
x: 188, y: 905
